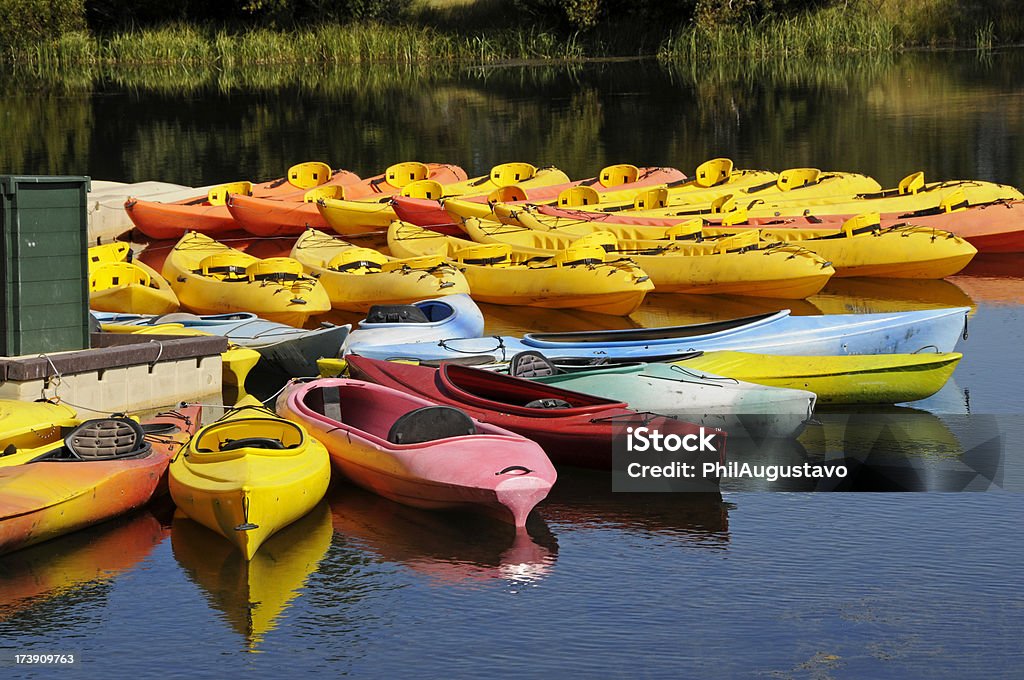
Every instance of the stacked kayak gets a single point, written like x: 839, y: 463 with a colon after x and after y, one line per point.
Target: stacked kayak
x: 207, y: 213
x: 573, y: 428
x: 356, y: 278
x: 734, y: 265
x: 271, y: 216
x: 211, y: 278
x: 424, y: 321
x: 773, y: 333
x: 356, y: 216
x: 739, y: 408
x: 119, y: 284
x: 580, y: 278
x: 249, y: 474
x: 103, y: 468
x: 419, y: 453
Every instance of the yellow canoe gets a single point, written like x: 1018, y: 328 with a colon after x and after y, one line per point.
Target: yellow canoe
x: 118, y: 284
x: 27, y: 427
x: 358, y: 216
x: 357, y: 278
x: 253, y: 594
x: 912, y: 195
x: 249, y: 474
x: 737, y: 265
x: 855, y: 379
x: 577, y: 278
x: 211, y: 278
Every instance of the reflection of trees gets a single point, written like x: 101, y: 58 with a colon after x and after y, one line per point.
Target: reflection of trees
x: 948, y: 114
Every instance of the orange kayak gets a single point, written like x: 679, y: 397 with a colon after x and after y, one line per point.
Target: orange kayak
x: 272, y: 216
x: 103, y: 468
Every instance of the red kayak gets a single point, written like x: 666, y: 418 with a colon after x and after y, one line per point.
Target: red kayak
x: 103, y: 468
x: 996, y: 227
x: 419, y: 453
x: 272, y: 216
x: 574, y: 428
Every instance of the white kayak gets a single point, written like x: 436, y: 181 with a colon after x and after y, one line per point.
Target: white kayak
x: 427, y: 321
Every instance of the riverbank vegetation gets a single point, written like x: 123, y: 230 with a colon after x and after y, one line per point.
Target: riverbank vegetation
x: 61, y: 33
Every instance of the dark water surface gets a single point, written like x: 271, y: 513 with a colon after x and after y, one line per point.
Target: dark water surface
x: 752, y: 584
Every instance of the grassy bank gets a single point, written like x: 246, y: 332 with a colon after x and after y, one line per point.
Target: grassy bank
x: 439, y: 33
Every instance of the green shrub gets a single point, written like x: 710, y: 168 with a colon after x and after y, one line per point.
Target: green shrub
x: 26, y: 23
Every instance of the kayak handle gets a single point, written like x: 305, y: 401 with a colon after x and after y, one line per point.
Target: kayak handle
x: 514, y: 468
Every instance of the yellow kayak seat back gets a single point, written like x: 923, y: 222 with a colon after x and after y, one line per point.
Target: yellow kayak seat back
x: 734, y: 217
x: 954, y: 200
x: 507, y: 194
x: 797, y: 177
x: 863, y: 222
x: 116, y: 274
x: 423, y: 188
x: 486, y: 254
x: 109, y: 252
x: 912, y: 183
x: 333, y: 191
x: 219, y: 194
x: 713, y: 172
x: 655, y: 197
x: 274, y: 268
x: 579, y: 254
x: 617, y: 175
x: 357, y: 261
x: 227, y: 265
x: 578, y: 196
x: 685, y: 229
x: 603, y: 239
x: 309, y: 174
x: 401, y: 174
x: 511, y: 173
x: 740, y: 241
x: 419, y: 263
x: 725, y: 203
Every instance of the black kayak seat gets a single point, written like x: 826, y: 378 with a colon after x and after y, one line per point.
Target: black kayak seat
x: 107, y: 439
x: 430, y: 423
x: 396, y: 314
x: 531, y: 364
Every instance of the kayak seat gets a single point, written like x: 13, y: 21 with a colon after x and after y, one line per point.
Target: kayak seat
x: 548, y: 403
x: 430, y: 423
x: 396, y: 314
x: 252, y: 443
x: 531, y: 364
x: 107, y: 439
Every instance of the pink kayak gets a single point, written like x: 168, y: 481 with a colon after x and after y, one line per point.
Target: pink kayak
x: 416, y: 452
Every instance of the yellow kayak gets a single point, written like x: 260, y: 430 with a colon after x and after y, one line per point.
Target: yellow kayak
x: 118, y: 284
x: 253, y: 594
x: 912, y: 196
x: 356, y: 216
x: 792, y: 185
x: 854, y: 379
x: 27, y: 427
x: 578, y: 278
x: 249, y: 474
x: 211, y: 278
x: 736, y: 265
x: 357, y: 278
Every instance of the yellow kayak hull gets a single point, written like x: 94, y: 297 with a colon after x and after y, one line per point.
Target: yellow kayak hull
x: 389, y: 281
x: 211, y: 278
x: 247, y: 494
x: 686, y: 267
x: 858, y: 379
x: 119, y: 285
x: 615, y: 288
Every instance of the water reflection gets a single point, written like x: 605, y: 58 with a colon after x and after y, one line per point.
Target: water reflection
x: 858, y: 296
x: 583, y: 499
x: 64, y: 573
x: 445, y: 547
x: 997, y: 279
x: 253, y: 595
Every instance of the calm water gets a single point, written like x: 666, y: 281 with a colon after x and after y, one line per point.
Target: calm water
x: 754, y: 584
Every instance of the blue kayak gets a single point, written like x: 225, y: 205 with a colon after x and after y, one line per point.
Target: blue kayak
x: 775, y: 333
